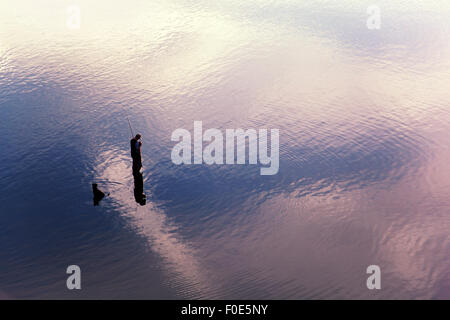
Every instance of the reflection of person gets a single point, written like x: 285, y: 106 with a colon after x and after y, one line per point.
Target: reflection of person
x: 135, y: 145
x: 139, y: 195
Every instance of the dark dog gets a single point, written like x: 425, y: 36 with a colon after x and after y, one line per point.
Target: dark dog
x: 98, y: 194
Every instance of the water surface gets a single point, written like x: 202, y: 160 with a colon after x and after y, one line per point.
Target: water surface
x: 364, y: 124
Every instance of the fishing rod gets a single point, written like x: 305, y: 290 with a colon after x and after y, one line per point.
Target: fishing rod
x: 131, y: 130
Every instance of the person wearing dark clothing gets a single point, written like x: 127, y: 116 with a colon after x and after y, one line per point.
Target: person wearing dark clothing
x: 135, y: 145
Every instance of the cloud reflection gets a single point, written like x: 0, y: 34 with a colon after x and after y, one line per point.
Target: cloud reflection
x: 184, y: 269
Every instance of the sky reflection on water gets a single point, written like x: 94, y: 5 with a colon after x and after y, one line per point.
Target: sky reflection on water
x: 363, y: 118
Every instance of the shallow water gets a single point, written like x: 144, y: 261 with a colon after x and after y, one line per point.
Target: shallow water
x: 364, y: 173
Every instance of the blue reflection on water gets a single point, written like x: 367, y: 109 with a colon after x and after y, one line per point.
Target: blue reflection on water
x: 352, y: 142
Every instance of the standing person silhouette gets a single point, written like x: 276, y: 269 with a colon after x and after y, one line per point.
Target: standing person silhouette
x: 135, y: 145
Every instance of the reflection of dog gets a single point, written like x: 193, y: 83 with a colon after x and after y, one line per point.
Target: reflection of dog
x: 98, y: 194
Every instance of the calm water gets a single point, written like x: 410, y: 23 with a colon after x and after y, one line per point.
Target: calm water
x: 364, y: 120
